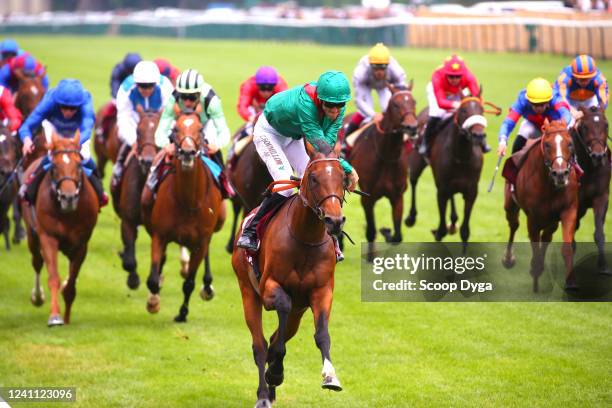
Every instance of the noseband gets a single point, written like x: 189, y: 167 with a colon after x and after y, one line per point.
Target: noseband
x: 316, y: 208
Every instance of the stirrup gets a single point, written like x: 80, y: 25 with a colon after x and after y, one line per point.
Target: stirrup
x: 246, y: 241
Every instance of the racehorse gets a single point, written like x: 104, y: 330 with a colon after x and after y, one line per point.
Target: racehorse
x: 296, y: 261
x: 456, y: 162
x: 106, y: 142
x: 62, y: 219
x: 381, y: 160
x: 9, y: 153
x: 249, y: 177
x: 29, y: 93
x: 546, y: 188
x: 126, y: 198
x: 594, y: 158
x: 187, y: 210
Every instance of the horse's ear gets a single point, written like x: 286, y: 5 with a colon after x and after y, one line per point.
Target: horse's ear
x: 140, y: 110
x: 177, y: 110
x: 410, y: 84
x: 310, y: 150
x: 77, y: 137
x: 545, y: 125
x: 19, y: 74
x: 480, y: 91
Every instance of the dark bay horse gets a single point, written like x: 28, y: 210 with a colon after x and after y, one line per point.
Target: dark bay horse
x: 546, y: 189
x: 381, y: 161
x: 106, y: 141
x: 250, y: 178
x: 456, y: 161
x: 126, y: 198
x: 297, y: 261
x: 62, y: 219
x: 9, y: 153
x: 188, y: 210
x: 593, y: 155
x: 29, y: 93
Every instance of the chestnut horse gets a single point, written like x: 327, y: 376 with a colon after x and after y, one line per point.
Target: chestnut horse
x: 62, y: 219
x: 106, y: 142
x: 456, y: 162
x: 249, y: 177
x: 297, y: 262
x: 187, y: 210
x: 9, y: 153
x: 546, y: 189
x: 590, y: 139
x: 126, y: 198
x: 380, y: 159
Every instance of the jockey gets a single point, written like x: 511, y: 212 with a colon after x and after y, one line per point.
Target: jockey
x: 122, y: 70
x: 444, y: 93
x: 374, y: 71
x: 146, y: 87
x: 28, y: 65
x: 534, y: 104
x: 63, y: 110
x: 9, y: 49
x: 8, y: 111
x: 168, y: 70
x: 191, y: 90
x: 582, y: 84
x: 255, y: 92
x: 313, y: 111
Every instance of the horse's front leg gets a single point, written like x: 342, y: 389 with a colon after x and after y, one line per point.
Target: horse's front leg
x: 237, y: 208
x: 537, y: 263
x: 416, y: 166
x: 512, y: 216
x: 49, y: 248
x: 129, y: 233
x: 452, y: 228
x: 207, y: 292
x: 442, y: 230
x: 600, y: 208
x: 469, y: 198
x: 158, y: 252
x: 568, y: 225
x: 275, y: 297
x: 368, y: 208
x: 19, y: 231
x: 69, y: 286
x: 397, y: 206
x: 321, y: 302
x: 189, y: 283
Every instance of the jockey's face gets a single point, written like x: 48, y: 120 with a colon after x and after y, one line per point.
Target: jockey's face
x: 539, y: 108
x: 332, y: 110
x: 583, y: 82
x: 146, y: 90
x: 68, y: 111
x: 266, y: 90
x: 454, y: 80
x: 379, y: 71
x: 190, y: 100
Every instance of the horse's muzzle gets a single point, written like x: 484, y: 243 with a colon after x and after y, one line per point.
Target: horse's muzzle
x: 411, y: 131
x: 334, y: 224
x: 68, y: 202
x: 145, y: 164
x: 187, y: 158
x: 597, y: 158
x: 560, y: 177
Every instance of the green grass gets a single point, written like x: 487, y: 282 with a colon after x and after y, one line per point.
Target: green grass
x: 386, y: 354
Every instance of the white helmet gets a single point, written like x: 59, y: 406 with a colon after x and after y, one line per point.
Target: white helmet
x: 146, y: 72
x: 190, y: 81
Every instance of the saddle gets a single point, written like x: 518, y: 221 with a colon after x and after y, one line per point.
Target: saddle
x: 516, y: 161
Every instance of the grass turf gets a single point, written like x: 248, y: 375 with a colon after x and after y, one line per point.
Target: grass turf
x: 386, y: 354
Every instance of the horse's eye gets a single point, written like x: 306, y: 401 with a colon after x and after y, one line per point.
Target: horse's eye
x: 546, y: 145
x: 313, y: 179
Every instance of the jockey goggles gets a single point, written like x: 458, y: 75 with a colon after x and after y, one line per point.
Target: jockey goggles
x: 454, y: 76
x: 266, y: 87
x: 69, y: 108
x: 146, y: 85
x: 332, y: 105
x: 190, y: 97
x: 377, y: 67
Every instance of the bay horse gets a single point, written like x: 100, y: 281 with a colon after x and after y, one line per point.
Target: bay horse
x: 546, y: 189
x: 29, y: 93
x: 381, y: 160
x: 297, y: 261
x: 106, y: 141
x: 126, y: 198
x: 250, y: 178
x: 188, y: 210
x: 456, y: 161
x: 62, y: 219
x: 593, y: 155
x: 9, y: 153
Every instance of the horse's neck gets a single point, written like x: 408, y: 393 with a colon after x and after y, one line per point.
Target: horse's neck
x: 190, y: 185
x: 389, y: 143
x: 304, y: 224
x: 460, y: 145
x: 537, y: 168
x: 582, y: 154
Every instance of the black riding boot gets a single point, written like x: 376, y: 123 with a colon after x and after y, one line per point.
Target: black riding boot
x: 31, y: 186
x: 248, y: 239
x: 96, y: 183
x: 119, y: 165
x: 432, y: 124
x: 519, y: 143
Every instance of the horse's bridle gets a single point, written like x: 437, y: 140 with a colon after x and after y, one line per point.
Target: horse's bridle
x: 316, y: 208
x: 56, y: 184
x: 596, y: 141
x: 402, y: 129
x: 548, y: 163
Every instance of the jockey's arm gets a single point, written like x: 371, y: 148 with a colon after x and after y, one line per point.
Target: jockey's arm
x: 602, y: 92
x: 244, y: 101
x: 506, y: 129
x: 5, y: 75
x: 126, y: 123
x: 472, y: 84
x: 115, y: 81
x: 10, y: 111
x: 45, y: 82
x: 164, y: 128
x: 398, y: 75
x: 215, y: 113
x: 362, y: 99
x: 88, y: 119
x: 34, y: 120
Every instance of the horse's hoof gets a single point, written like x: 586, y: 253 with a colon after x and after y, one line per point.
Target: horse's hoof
x: 153, y: 303
x: 410, y: 220
x: 331, y: 383
x: 55, y: 320
x: 571, y: 286
x: 180, y: 318
x: 438, y: 235
x: 536, y: 287
x: 605, y: 271
x: 508, y: 262
x: 452, y: 229
x: 37, y: 300
x: 274, y: 379
x: 386, y: 232
x: 207, y: 294
x: 133, y: 281
x: 263, y: 403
